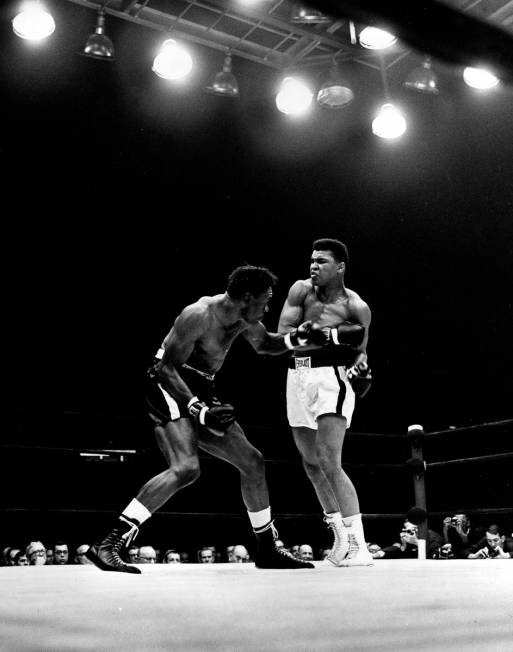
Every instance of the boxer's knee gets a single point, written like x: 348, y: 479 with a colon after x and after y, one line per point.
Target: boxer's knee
x: 312, y: 469
x: 254, y: 464
x: 186, y: 471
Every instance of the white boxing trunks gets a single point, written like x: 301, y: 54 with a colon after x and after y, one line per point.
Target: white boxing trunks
x: 313, y: 391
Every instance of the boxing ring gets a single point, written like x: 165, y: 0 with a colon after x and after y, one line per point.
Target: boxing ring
x: 462, y: 605
x: 394, y: 605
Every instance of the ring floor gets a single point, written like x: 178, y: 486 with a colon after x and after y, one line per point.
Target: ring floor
x: 460, y: 605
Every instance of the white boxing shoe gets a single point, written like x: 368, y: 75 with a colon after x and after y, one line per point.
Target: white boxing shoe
x: 357, y: 555
x: 341, y: 544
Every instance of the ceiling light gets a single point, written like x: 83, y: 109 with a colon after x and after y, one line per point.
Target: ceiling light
x: 389, y: 122
x: 99, y: 46
x: 33, y: 23
x: 294, y: 97
x: 224, y: 82
x: 173, y: 62
x: 334, y: 93
x: 373, y: 38
x: 480, y: 78
x: 304, y: 14
x: 423, y: 79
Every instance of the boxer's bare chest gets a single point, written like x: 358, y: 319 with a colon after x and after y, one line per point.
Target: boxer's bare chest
x: 327, y: 312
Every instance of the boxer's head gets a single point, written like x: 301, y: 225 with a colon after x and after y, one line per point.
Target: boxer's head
x: 252, y: 288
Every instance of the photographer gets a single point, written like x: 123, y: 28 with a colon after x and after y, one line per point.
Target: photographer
x: 459, y: 535
x: 407, y: 546
x: 495, y: 545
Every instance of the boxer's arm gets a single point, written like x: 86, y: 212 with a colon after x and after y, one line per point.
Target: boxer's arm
x: 275, y: 343
x: 292, y: 311
x: 362, y: 315
x: 189, y: 326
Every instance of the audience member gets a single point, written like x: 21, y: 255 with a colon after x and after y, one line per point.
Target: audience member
x: 20, y: 559
x: 374, y: 550
x: 4, y: 561
x: 407, y: 546
x: 133, y: 554
x: 323, y: 553
x: 49, y: 557
x: 305, y: 552
x: 494, y: 545
x: 206, y: 556
x: 80, y: 555
x: 240, y: 555
x: 12, y: 554
x: 147, y: 555
x: 171, y: 556
x: 458, y: 535
x: 60, y: 553
x: 36, y: 553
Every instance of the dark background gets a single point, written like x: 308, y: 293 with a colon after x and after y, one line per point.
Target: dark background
x: 127, y: 197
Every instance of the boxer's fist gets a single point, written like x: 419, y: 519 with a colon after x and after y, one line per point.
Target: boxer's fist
x: 299, y: 336
x: 217, y: 417
x: 359, y: 375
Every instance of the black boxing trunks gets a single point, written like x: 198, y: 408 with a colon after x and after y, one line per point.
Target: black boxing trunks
x: 162, y: 407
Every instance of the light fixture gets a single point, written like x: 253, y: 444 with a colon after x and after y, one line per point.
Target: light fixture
x: 99, y: 45
x: 302, y: 13
x: 173, y: 62
x: 423, y: 79
x: 374, y: 38
x: 334, y: 92
x: 389, y: 123
x: 294, y: 97
x: 33, y: 23
x: 480, y: 78
x: 224, y: 82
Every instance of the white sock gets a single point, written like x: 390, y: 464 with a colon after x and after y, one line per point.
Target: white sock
x: 356, y: 526
x: 261, y: 518
x: 136, y: 510
x: 334, y: 516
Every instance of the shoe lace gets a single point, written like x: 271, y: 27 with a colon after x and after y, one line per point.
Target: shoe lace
x: 353, y: 547
x: 127, y: 538
x: 338, y: 543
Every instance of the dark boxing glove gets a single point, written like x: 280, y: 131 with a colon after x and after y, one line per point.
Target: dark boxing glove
x: 217, y: 417
x: 346, y: 334
x: 299, y: 336
x: 360, y: 379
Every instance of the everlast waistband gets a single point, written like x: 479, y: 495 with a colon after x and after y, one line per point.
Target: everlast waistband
x: 340, y: 356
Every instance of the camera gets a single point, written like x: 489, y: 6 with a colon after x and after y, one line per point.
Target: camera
x: 409, y: 531
x: 445, y: 552
x: 454, y: 522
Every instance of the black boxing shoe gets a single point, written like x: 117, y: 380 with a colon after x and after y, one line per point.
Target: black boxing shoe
x: 105, y: 553
x: 269, y: 556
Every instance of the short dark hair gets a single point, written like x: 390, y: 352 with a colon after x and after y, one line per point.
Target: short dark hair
x: 337, y: 248
x: 495, y: 529
x: 60, y: 543
x: 248, y: 278
x: 416, y: 515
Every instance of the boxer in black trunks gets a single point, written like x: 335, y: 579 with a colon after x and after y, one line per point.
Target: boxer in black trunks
x: 321, y: 387
x: 188, y: 415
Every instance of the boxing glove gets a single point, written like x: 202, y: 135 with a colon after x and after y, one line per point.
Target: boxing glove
x: 218, y: 417
x: 308, y: 333
x: 360, y: 379
x: 299, y: 336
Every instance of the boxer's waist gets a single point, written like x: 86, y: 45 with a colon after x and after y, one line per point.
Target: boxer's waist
x: 339, y: 356
x: 160, y: 353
